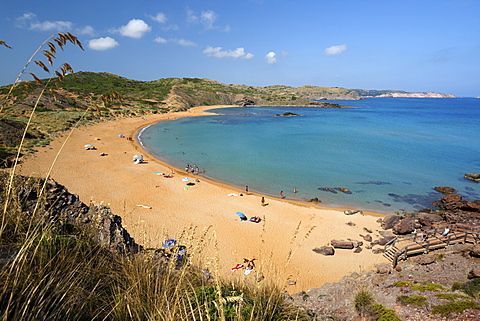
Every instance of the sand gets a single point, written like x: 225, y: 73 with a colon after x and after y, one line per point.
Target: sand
x: 282, y: 243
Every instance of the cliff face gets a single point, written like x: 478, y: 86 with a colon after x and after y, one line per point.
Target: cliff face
x: 415, y: 95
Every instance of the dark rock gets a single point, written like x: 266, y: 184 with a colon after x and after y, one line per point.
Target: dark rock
x: 367, y: 238
x: 315, y: 200
x: 325, y: 104
x: 384, y: 240
x: 351, y: 223
x: 474, y: 272
x: 428, y: 219
x: 475, y: 251
x: 426, y: 259
x: 358, y: 250
x: 378, y: 250
x: 390, y: 221
x: 245, y: 101
x: 474, y: 177
x: 367, y: 230
x: 287, y: 114
x: 343, y: 190
x: 341, y: 244
x: 473, y: 206
x: 404, y: 226
x: 325, y: 250
x: 328, y: 189
x: 444, y: 189
x: 68, y: 213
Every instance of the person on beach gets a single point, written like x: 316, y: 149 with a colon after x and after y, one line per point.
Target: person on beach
x: 246, y: 189
x: 282, y: 194
x: 295, y: 190
x: 263, y: 201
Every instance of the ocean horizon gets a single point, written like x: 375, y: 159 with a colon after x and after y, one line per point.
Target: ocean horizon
x: 388, y: 152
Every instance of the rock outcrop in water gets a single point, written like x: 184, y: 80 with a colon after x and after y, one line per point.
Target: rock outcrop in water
x: 474, y: 177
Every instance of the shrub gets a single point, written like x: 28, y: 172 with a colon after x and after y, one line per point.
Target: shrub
x: 455, y: 307
x: 363, y: 302
x: 418, y: 300
x: 384, y: 314
x: 472, y: 287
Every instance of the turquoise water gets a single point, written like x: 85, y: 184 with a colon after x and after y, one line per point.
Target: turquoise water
x: 388, y: 152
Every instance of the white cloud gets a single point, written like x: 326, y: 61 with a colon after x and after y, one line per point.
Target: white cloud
x: 218, y: 52
x: 30, y: 21
x: 191, y: 16
x: 271, y: 58
x: 184, y: 42
x: 180, y: 42
x: 335, y: 50
x: 160, y: 17
x: 87, y: 30
x: 102, y: 44
x: 160, y: 40
x: 135, y: 28
x: 208, y: 18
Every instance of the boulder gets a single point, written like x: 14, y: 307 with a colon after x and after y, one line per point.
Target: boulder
x: 452, y: 198
x: 426, y: 259
x: 475, y: 251
x: 473, y: 206
x: 383, y: 268
x: 428, y: 219
x: 474, y: 177
x: 367, y: 237
x: 351, y: 223
x: 343, y: 190
x: 474, y: 272
x: 404, y: 226
x: 384, y: 240
x: 367, y: 230
x: 444, y: 189
x: 358, y: 250
x: 325, y: 250
x: 378, y: 250
x: 341, y: 244
x: 389, y: 221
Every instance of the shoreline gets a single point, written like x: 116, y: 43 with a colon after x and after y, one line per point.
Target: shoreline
x: 204, y: 112
x: 154, y: 208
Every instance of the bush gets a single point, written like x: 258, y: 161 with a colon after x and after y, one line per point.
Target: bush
x: 384, y: 314
x: 472, y: 287
x: 455, y: 307
x: 363, y: 302
x: 417, y: 300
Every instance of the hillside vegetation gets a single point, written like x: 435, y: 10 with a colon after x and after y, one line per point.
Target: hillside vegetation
x: 87, y: 96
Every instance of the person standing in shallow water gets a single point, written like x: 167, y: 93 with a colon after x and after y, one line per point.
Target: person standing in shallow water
x: 246, y: 189
x: 282, y: 194
x: 263, y: 201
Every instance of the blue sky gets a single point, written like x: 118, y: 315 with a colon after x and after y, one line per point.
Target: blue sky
x: 411, y: 45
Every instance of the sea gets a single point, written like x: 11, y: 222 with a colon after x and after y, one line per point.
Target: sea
x: 388, y: 152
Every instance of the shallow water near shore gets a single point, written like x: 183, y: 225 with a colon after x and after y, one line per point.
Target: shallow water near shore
x: 388, y: 152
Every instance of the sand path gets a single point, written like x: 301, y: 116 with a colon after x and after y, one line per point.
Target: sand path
x: 115, y: 180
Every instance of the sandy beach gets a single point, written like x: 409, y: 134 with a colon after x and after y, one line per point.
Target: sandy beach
x: 284, y: 239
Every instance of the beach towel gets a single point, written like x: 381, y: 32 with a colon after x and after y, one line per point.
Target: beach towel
x: 247, y: 271
x: 242, y: 216
x: 238, y: 266
x: 185, y: 179
x: 232, y: 194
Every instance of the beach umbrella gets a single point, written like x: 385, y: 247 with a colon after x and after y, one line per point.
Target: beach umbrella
x: 242, y: 216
